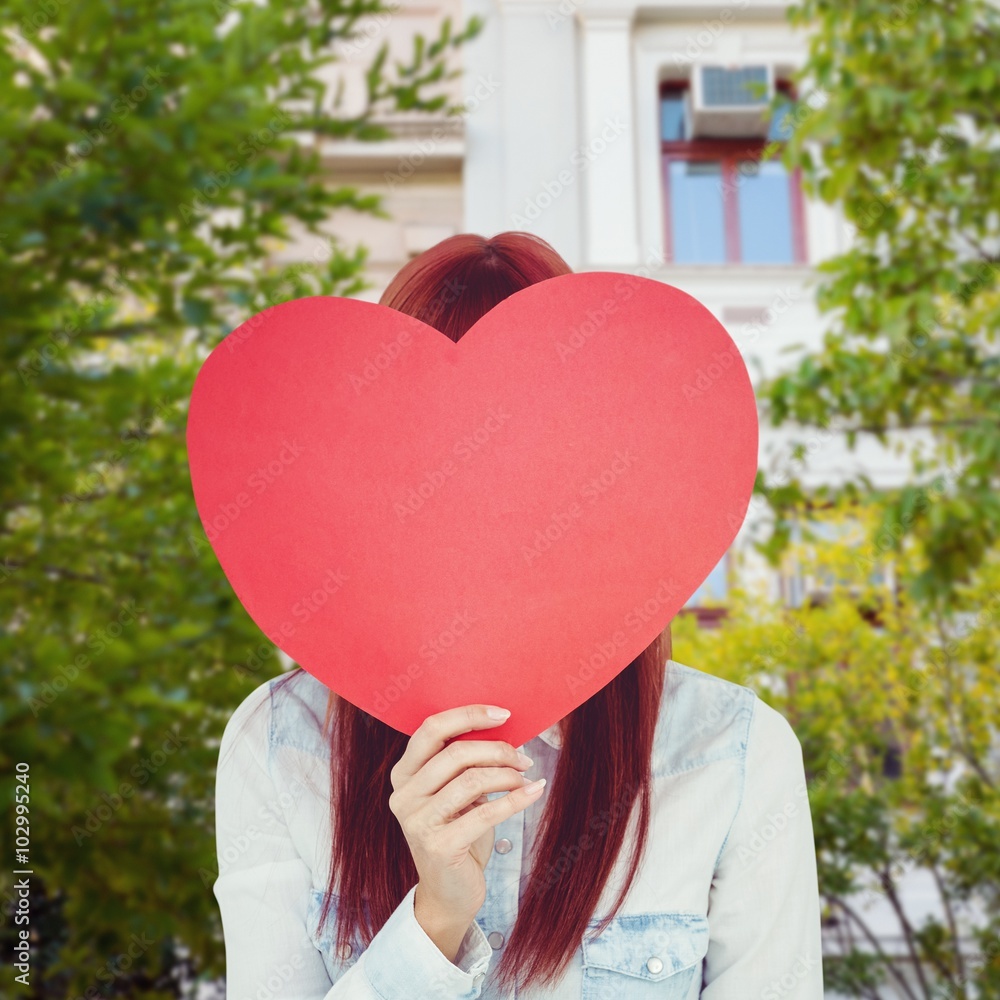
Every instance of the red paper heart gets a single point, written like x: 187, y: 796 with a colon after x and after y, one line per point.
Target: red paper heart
x: 509, y: 520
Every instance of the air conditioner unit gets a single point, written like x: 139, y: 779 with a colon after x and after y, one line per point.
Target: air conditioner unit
x: 726, y: 102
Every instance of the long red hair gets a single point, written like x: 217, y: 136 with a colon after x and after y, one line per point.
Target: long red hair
x: 604, y: 767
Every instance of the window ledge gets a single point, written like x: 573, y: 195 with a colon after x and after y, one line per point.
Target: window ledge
x: 713, y: 270
x: 707, y: 617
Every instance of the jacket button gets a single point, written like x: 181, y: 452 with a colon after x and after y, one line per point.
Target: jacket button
x: 345, y: 952
x: 503, y: 845
x: 654, y: 965
x: 495, y: 939
x: 478, y: 981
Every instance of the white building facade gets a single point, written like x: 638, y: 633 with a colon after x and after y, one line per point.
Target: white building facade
x: 624, y: 135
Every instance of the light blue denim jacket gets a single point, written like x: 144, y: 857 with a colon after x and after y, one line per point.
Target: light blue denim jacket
x: 725, y: 905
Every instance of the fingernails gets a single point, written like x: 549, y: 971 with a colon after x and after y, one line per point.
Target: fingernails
x: 524, y: 760
x: 498, y: 713
x: 535, y: 787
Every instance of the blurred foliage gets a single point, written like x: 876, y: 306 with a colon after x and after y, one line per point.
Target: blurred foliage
x: 897, y: 126
x: 896, y: 705
x: 149, y: 163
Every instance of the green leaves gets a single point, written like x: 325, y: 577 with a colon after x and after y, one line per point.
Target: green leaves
x: 895, y: 704
x: 910, y: 355
x: 148, y: 171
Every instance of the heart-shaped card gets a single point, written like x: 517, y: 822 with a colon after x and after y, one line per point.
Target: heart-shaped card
x: 509, y: 520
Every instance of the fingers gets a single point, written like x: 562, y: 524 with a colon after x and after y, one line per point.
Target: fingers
x: 468, y: 828
x: 435, y: 731
x: 457, y: 757
x: 465, y: 789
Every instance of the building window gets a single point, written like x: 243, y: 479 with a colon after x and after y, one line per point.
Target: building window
x: 804, y: 583
x: 708, y: 602
x: 726, y: 200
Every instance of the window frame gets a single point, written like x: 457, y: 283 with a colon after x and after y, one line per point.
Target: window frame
x: 728, y: 152
x: 810, y: 589
x: 712, y: 615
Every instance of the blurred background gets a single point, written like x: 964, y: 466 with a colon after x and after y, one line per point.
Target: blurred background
x: 823, y: 176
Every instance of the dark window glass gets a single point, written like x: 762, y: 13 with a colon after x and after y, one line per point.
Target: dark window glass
x: 672, y: 116
x: 696, y: 214
x: 765, y: 213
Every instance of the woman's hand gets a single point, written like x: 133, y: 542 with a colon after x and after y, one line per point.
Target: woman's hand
x: 439, y: 798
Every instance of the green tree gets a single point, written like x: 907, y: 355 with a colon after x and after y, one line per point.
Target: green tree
x: 148, y: 164
x: 895, y: 703
x: 898, y: 128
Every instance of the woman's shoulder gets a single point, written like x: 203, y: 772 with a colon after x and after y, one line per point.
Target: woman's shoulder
x: 705, y: 718
x: 284, y: 711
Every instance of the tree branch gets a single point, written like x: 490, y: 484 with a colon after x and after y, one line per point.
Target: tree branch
x: 908, y: 933
x: 952, y: 926
x: 873, y: 941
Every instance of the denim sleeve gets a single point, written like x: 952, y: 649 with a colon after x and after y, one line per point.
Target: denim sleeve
x: 401, y: 955
x: 263, y: 890
x: 764, y: 911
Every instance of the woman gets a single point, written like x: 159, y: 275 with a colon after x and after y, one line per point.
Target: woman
x: 670, y: 855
